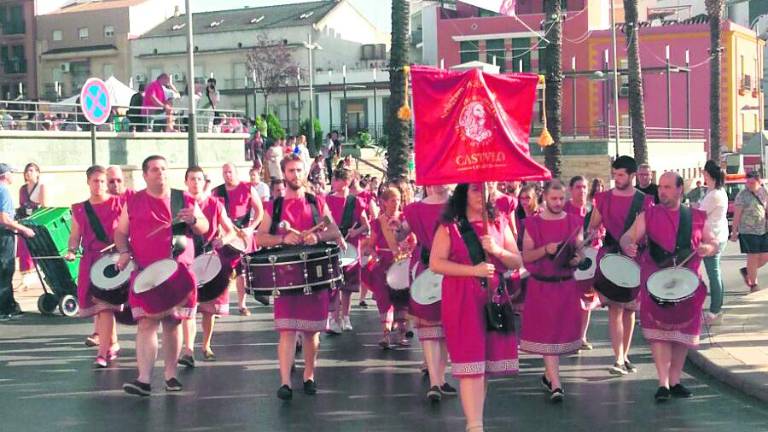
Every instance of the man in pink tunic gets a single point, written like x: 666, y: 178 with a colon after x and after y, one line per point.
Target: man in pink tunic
x: 244, y: 208
x: 145, y: 233
x: 298, y: 313
x: 671, y: 329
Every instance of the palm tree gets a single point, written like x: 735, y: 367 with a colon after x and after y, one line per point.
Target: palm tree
x: 636, y: 106
x: 553, y: 70
x: 398, y: 126
x: 715, y: 14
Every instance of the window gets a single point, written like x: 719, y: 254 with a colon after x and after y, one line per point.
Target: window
x: 521, y: 55
x: 82, y: 33
x: 109, y: 31
x: 469, y: 51
x: 494, y: 49
x: 57, y: 35
x: 109, y: 70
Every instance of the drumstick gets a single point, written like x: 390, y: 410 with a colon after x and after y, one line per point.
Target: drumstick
x: 687, y: 259
x: 53, y: 257
x: 286, y: 226
x: 164, y: 226
x: 107, y: 248
x: 570, y: 237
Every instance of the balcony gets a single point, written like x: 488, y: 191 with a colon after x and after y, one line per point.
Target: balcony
x: 15, y: 66
x: 13, y: 28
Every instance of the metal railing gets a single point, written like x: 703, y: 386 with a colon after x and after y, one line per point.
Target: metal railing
x: 609, y: 132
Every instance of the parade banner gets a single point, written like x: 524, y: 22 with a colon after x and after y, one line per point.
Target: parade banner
x: 504, y: 7
x: 472, y: 126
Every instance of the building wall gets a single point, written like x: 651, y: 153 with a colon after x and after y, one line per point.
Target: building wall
x: 27, y: 40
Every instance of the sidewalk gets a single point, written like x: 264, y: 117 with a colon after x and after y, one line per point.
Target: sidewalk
x: 736, y: 350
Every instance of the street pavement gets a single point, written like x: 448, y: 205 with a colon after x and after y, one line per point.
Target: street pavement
x: 47, y: 382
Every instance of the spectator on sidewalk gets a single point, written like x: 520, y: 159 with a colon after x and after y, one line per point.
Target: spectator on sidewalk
x: 274, y: 156
x: 715, y: 203
x: 749, y: 227
x: 303, y: 151
x: 8, y: 227
x: 260, y: 188
x: 645, y: 183
x: 697, y: 194
x: 276, y: 188
x: 327, y: 152
x: 317, y: 172
x: 156, y: 102
x: 31, y: 198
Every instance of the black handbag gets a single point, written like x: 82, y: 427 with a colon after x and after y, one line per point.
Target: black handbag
x: 499, y: 316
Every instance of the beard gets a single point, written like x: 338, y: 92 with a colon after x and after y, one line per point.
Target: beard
x: 623, y: 186
x: 294, y: 185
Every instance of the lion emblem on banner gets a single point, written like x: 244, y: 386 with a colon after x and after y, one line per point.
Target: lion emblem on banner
x: 473, y: 122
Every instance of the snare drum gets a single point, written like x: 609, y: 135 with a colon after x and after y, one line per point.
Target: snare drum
x: 398, y: 277
x: 231, y: 253
x: 293, y: 270
x: 349, y: 257
x: 162, y: 286
x: 586, y: 269
x: 212, y: 276
x: 107, y: 282
x: 427, y: 288
x: 672, y: 291
x: 617, y: 278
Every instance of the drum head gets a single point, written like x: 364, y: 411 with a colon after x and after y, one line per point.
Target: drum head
x: 427, y: 289
x: 154, y: 275
x: 397, y: 275
x: 239, y: 244
x: 673, y: 284
x: 620, y: 270
x: 206, y: 267
x: 586, y: 269
x: 348, y: 257
x: 105, y: 275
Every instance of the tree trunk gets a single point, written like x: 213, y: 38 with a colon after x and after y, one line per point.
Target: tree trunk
x: 636, y: 103
x: 715, y: 12
x: 266, y: 103
x: 553, y: 70
x: 398, y: 147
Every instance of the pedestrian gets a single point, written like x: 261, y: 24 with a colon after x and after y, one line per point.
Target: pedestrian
x: 696, y: 194
x: 749, y: 227
x: 261, y: 189
x: 645, y: 183
x: 156, y: 104
x: 274, y: 156
x: 8, y: 228
x: 31, y: 197
x: 276, y: 188
x: 715, y: 204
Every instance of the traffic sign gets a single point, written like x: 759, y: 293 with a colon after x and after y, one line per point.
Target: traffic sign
x: 95, y: 101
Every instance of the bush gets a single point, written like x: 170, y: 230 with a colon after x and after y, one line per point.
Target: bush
x: 274, y: 128
x: 364, y: 139
x: 313, y: 147
x: 260, y: 125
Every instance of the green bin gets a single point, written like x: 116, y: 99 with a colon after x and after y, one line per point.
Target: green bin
x: 52, y: 226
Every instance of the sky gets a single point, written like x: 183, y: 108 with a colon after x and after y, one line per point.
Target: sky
x: 378, y: 11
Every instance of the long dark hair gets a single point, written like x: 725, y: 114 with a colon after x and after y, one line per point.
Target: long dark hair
x: 456, y: 207
x: 715, y: 172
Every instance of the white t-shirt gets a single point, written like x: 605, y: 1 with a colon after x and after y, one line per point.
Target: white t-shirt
x: 715, y: 203
x: 262, y: 190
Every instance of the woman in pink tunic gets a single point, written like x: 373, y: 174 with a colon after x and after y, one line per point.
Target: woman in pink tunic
x: 475, y: 351
x: 550, y: 324
x: 83, y: 236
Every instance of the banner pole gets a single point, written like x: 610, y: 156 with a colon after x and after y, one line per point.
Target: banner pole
x: 485, y: 208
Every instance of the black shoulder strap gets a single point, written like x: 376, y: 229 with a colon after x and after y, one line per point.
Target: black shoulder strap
x: 277, y: 213
x: 664, y: 258
x: 468, y: 234
x: 587, y: 220
x: 347, y: 219
x: 177, y: 203
x: 221, y: 190
x: 312, y: 200
x: 634, y: 210
x: 98, y: 229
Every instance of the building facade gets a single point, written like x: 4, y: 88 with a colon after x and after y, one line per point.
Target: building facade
x: 17, y: 49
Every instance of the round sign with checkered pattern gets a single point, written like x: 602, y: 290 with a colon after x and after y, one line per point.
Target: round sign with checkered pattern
x: 95, y: 101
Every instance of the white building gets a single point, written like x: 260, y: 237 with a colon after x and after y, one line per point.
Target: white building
x: 222, y: 40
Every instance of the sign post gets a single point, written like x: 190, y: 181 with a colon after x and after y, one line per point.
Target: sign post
x: 96, y: 106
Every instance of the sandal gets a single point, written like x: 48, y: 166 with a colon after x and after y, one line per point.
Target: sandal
x: 244, y: 311
x: 208, y: 355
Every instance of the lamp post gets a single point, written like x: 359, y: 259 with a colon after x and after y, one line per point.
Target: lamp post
x: 669, y: 93
x: 688, y: 92
x: 298, y: 92
x: 287, y: 104
x: 375, y: 110
x: 330, y: 102
x: 573, y: 96
x: 192, y: 129
x: 344, y: 113
x: 615, y: 77
x: 311, y: 47
x: 245, y: 96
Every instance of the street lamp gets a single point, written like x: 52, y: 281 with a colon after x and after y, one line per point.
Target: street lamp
x: 192, y: 129
x: 375, y: 110
x: 615, y: 76
x: 344, y: 89
x: 308, y: 44
x: 330, y: 101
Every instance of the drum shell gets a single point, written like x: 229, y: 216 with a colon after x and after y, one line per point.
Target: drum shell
x: 673, y: 314
x: 564, y: 255
x: 125, y: 316
x: 323, y: 269
x: 115, y: 296
x: 215, y: 287
x: 611, y: 290
x: 230, y: 254
x: 168, y: 295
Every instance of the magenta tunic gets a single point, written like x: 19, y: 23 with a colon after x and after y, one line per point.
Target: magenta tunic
x: 589, y: 298
x: 614, y: 210
x: 552, y: 319
x: 300, y: 312
x: 505, y: 204
x: 108, y: 214
x: 388, y: 311
x: 26, y: 263
x: 423, y: 219
x: 125, y: 196
x: 212, y: 208
x: 239, y: 200
x: 336, y: 206
x: 661, y: 227
x: 474, y: 351
x: 145, y: 214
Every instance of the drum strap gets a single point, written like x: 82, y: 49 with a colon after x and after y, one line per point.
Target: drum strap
x: 634, y: 210
x: 313, y: 205
x: 348, y: 216
x: 682, y: 246
x: 221, y: 191
x: 277, y: 212
x: 93, y: 220
x: 471, y: 241
x: 177, y: 203
x: 424, y: 255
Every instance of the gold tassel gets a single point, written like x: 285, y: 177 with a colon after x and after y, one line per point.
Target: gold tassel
x: 545, y: 139
x: 404, y: 113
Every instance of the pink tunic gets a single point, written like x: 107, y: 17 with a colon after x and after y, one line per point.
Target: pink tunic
x: 239, y: 201
x: 552, y: 320
x: 614, y: 210
x: 589, y: 298
x: 505, y: 204
x: 474, y: 350
x: 212, y: 208
x: 145, y: 214
x: 388, y: 310
x: 336, y: 206
x: 300, y: 312
x: 423, y: 219
x: 125, y: 196
x: 108, y: 214
x: 685, y: 326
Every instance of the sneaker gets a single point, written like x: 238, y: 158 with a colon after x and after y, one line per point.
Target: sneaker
x: 546, y: 383
x: 662, y: 394
x: 310, y: 387
x: 100, y: 362
x: 618, y: 369
x: 333, y: 327
x: 92, y: 340
x: 346, y: 324
x: 679, y: 391
x: 743, y: 272
x: 137, y: 388
x: 173, y: 385
x: 285, y: 393
x: 262, y: 299
x: 187, y: 360
x: 586, y: 346
x: 557, y: 395
x: 434, y: 394
x: 112, y: 353
x: 448, y: 390
x: 629, y: 366
x: 363, y: 304
x: 16, y: 311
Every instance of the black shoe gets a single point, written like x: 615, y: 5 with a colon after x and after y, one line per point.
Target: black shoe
x: 173, y: 385
x: 187, y: 360
x: 679, y: 391
x: 557, y: 395
x: 434, y: 394
x: 5, y: 317
x: 618, y: 369
x: 137, y: 388
x: 262, y: 299
x: 448, y: 390
x: 546, y: 383
x: 363, y: 304
x: 310, y: 387
x: 629, y: 366
x: 409, y: 334
x: 16, y: 310
x: 285, y: 393
x: 662, y: 394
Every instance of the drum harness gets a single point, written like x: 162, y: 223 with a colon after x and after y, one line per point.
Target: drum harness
x: 637, y: 201
x: 221, y: 191
x: 664, y: 259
